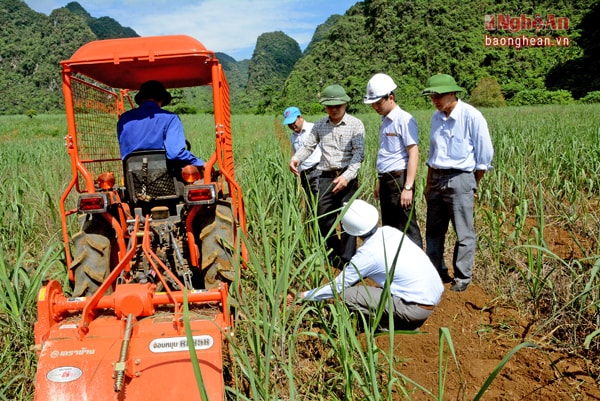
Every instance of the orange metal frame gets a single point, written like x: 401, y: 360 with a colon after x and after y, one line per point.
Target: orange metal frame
x: 76, y: 339
x: 138, y: 299
x: 123, y: 65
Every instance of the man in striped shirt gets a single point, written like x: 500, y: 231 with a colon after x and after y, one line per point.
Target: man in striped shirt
x: 342, y: 140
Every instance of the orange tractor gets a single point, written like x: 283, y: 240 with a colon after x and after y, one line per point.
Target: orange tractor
x: 155, y: 247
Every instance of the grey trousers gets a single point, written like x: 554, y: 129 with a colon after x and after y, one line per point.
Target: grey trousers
x: 364, y: 299
x: 451, y: 200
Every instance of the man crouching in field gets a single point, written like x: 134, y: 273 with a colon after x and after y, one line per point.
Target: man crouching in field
x: 415, y: 289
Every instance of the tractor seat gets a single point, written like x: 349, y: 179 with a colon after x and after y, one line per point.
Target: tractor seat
x: 148, y: 177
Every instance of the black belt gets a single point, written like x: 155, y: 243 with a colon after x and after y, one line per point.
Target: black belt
x: 310, y: 169
x: 448, y: 171
x: 332, y: 173
x: 395, y: 174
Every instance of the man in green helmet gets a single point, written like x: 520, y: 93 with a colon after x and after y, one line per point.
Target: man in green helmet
x: 460, y: 152
x: 342, y: 140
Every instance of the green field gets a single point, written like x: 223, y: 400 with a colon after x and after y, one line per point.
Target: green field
x: 537, y: 219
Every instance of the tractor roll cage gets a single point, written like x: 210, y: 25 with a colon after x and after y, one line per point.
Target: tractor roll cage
x: 104, y: 71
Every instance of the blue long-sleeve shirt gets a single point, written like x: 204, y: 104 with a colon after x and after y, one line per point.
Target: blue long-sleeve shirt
x: 151, y: 127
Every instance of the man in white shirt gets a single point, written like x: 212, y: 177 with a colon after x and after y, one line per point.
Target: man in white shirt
x: 460, y: 152
x: 385, y: 253
x: 397, y: 159
x: 309, y: 173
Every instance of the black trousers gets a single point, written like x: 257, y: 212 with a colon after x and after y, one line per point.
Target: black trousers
x: 309, y: 179
x: 343, y: 248
x: 392, y: 212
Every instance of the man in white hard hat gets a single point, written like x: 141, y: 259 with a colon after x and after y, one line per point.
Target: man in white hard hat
x: 309, y: 173
x: 415, y: 286
x: 342, y: 140
x: 397, y: 159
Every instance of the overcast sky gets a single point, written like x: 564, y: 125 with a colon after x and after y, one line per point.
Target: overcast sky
x: 227, y: 26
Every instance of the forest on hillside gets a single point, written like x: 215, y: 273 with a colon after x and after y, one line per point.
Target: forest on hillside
x: 409, y: 40
x: 412, y: 40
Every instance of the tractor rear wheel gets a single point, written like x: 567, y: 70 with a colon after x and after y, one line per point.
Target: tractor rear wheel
x: 217, y: 246
x: 91, y: 264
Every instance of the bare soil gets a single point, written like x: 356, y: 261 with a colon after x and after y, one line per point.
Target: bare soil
x: 484, y: 330
x: 483, y: 333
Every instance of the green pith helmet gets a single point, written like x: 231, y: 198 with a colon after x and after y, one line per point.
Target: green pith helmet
x: 334, y: 95
x: 440, y: 84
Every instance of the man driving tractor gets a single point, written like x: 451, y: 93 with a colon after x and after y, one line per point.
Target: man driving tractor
x: 149, y: 126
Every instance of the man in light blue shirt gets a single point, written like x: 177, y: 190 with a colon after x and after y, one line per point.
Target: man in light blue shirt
x: 309, y: 173
x: 460, y: 152
x: 149, y: 127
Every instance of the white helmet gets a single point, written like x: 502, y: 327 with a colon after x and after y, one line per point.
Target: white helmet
x: 360, y: 218
x: 379, y: 85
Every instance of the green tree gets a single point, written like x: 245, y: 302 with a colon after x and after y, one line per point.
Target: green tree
x: 409, y: 40
x: 32, y: 45
x: 413, y: 40
x: 487, y: 93
x: 580, y: 75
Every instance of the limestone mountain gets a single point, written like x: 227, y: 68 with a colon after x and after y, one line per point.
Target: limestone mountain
x: 409, y: 40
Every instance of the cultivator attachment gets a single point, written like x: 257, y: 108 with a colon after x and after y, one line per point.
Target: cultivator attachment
x: 130, y: 344
x: 134, y: 349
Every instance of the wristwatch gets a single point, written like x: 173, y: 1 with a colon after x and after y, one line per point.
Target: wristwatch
x: 408, y: 187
